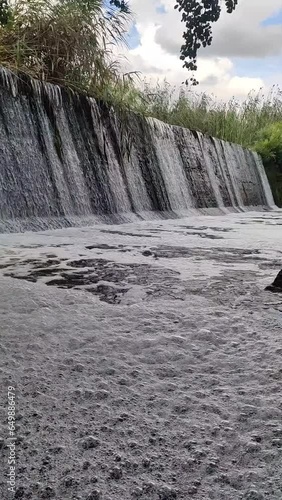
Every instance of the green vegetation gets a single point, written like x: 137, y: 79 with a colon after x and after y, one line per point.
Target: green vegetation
x: 255, y: 123
x: 233, y: 121
x: 269, y: 146
x: 198, y: 17
x: 66, y: 42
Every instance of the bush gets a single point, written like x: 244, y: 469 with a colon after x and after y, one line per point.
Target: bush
x: 67, y: 42
x: 269, y: 146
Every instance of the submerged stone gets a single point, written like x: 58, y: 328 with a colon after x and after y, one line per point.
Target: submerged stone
x: 276, y: 286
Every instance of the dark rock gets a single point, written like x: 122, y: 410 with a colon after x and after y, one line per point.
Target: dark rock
x: 253, y: 447
x: 46, y: 460
x: 19, y: 492
x: 192, y: 490
x: 122, y: 417
x: 257, y: 438
x: 167, y: 493
x: 137, y: 492
x: 127, y: 464
x: 148, y: 487
x: 277, y: 432
x: 71, y: 482
x: 90, y: 442
x: 56, y: 449
x: 146, y: 462
x: 94, y: 495
x: 147, y: 253
x: 78, y: 368
x: 47, y: 492
x: 102, y: 394
x: 133, y: 444
x: 116, y: 473
x: 211, y: 468
x: 254, y: 495
x: 277, y: 442
x: 276, y: 286
x: 86, y: 465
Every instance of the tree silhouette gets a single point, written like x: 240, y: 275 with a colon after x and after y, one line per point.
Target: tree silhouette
x: 197, y: 16
x: 4, y: 12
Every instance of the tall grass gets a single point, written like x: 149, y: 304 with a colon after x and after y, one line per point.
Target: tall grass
x: 255, y: 123
x: 70, y: 42
x: 234, y: 121
x: 67, y: 42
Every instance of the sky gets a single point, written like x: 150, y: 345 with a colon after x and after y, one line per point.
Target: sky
x: 246, y: 53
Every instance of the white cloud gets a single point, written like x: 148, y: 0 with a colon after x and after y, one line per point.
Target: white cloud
x: 240, y: 34
x: 216, y: 74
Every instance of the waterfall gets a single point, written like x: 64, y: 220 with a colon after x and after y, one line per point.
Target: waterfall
x: 63, y: 162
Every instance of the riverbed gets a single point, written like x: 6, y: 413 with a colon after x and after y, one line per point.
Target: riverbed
x: 146, y: 359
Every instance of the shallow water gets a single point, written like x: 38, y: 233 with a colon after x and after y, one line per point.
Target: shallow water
x: 158, y: 379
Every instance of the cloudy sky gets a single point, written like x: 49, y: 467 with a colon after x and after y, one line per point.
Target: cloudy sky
x: 246, y: 52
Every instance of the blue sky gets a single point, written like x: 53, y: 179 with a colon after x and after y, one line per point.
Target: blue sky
x: 275, y: 19
x: 266, y: 67
x: 133, y: 37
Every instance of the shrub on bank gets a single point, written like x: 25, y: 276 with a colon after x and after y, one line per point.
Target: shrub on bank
x: 269, y: 146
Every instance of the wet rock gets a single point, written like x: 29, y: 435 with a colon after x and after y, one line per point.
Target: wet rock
x: 123, y: 416
x: 133, y: 444
x: 149, y: 487
x: 167, y: 493
x: 78, y: 368
x: 211, y: 467
x: 257, y: 438
x: 116, y: 473
x: 57, y: 449
x: 70, y: 482
x: 190, y: 464
x: 253, y: 447
x: 146, y: 462
x: 137, y: 492
x: 86, y: 465
x: 192, y: 490
x: 147, y: 253
x: 277, y: 442
x: 253, y: 495
x: 276, y: 286
x: 20, y: 492
x: 102, y: 394
x: 89, y: 442
x: 94, y: 495
x: 47, y: 492
x: 46, y: 460
x: 277, y: 432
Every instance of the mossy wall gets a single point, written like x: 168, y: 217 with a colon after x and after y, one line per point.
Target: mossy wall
x: 274, y: 175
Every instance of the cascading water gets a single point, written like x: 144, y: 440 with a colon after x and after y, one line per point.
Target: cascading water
x: 62, y: 162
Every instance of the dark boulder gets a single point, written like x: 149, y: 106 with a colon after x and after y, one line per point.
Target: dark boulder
x: 276, y: 286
